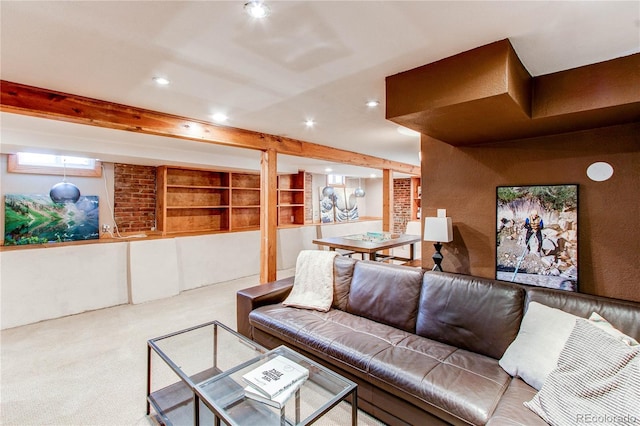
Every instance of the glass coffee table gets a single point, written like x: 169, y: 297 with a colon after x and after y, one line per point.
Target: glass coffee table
x: 199, y: 381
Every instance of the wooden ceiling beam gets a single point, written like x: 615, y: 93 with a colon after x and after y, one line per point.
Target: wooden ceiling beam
x: 38, y: 102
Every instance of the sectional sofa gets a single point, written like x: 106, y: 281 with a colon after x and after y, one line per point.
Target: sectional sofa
x: 431, y: 347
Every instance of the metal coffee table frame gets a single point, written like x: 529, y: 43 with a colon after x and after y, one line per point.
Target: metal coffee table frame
x: 195, y: 396
x: 172, y: 401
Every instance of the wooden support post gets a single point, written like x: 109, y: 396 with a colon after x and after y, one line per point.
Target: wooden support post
x: 268, y: 216
x: 387, y: 200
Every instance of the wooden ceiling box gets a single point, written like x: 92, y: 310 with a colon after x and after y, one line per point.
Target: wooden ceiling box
x: 487, y: 95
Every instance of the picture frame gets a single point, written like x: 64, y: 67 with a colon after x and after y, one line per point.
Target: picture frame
x: 339, y: 206
x: 36, y: 219
x: 537, y: 235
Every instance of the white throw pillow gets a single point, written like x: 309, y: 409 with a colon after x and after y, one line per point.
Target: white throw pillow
x: 534, y: 352
x: 597, y: 381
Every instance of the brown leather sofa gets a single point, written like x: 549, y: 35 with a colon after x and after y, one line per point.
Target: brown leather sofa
x: 422, y: 346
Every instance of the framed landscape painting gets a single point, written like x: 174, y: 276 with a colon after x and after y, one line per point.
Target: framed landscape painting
x: 36, y: 219
x: 537, y: 235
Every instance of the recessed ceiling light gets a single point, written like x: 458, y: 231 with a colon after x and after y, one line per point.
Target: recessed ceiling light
x: 161, y: 81
x: 257, y: 9
x: 219, y: 117
x: 309, y: 123
x: 328, y: 169
x: 372, y: 104
x: 372, y: 175
x: 407, y: 132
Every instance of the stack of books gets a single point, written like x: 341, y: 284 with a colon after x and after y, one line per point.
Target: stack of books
x: 275, y: 381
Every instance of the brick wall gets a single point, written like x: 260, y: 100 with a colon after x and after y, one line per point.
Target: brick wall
x: 401, y: 204
x: 134, y: 197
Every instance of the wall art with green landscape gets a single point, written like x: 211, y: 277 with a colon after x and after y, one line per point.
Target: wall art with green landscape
x: 36, y: 219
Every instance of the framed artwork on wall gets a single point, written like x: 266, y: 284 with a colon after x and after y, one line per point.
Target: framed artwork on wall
x: 326, y: 206
x: 340, y: 205
x: 345, y: 204
x: 537, y: 235
x: 36, y: 219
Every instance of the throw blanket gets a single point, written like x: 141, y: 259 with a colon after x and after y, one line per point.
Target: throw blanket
x: 313, y: 281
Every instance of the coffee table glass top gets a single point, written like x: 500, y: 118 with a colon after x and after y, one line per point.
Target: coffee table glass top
x: 224, y: 394
x: 177, y: 362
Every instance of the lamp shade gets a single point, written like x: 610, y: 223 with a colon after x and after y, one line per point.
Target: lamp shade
x: 439, y: 229
x: 64, y: 192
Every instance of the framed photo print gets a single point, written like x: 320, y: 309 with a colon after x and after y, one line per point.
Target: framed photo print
x: 537, y: 235
x: 36, y: 219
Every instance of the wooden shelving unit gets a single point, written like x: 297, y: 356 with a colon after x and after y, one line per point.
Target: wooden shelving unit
x: 416, y: 198
x: 245, y: 201
x: 192, y: 200
x: 291, y: 199
x: 198, y: 200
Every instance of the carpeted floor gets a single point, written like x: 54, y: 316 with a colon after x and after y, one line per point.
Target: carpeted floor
x: 90, y: 369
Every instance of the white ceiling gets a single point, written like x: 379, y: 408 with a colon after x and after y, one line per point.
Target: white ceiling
x: 309, y: 59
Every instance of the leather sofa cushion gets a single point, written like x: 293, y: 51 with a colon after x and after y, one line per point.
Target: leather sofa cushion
x: 387, y: 294
x: 432, y: 375
x: 480, y: 315
x: 511, y: 411
x: 342, y: 274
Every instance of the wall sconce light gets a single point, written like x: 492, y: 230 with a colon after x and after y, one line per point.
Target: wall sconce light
x: 440, y: 230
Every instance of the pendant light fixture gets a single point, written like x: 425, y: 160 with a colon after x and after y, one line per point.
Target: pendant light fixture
x: 359, y: 192
x: 327, y: 191
x: 64, y: 192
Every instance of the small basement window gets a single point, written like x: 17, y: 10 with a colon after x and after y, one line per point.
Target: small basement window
x: 48, y: 164
x: 335, y: 180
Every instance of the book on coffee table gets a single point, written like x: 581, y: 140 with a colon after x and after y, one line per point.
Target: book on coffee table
x: 275, y: 376
x: 277, y: 401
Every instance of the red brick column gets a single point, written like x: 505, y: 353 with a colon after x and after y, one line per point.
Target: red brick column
x: 401, y: 204
x: 134, y: 197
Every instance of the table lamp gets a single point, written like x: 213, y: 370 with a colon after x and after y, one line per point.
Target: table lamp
x: 440, y: 230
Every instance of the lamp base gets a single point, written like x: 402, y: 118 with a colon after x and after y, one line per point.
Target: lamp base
x: 437, y: 257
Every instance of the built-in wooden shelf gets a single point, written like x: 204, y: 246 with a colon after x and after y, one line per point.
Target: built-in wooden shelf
x: 291, y: 199
x: 198, y: 200
x: 416, y: 198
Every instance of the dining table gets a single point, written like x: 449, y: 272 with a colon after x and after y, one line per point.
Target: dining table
x: 372, y: 243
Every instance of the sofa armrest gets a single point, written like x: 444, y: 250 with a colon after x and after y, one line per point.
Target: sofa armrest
x: 251, y: 298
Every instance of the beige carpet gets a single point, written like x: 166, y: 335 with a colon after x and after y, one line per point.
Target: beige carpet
x: 90, y: 369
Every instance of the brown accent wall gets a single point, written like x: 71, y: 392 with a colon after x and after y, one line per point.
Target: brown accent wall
x: 464, y: 181
x: 134, y: 197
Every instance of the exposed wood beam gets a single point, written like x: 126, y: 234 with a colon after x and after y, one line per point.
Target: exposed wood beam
x: 268, y: 216
x: 37, y: 102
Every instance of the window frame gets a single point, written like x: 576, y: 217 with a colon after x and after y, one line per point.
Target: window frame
x: 14, y: 166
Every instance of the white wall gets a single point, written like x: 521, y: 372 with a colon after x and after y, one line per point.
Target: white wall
x: 45, y: 283
x: 373, y: 198
x: 210, y: 259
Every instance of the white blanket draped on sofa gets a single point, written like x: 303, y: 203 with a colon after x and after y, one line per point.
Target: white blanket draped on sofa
x: 313, y: 281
